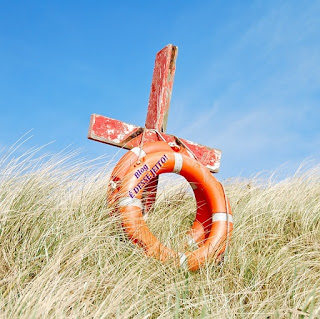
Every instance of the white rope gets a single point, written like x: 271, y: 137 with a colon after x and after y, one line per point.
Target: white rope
x: 141, y: 145
x: 157, y: 132
x: 141, y: 152
x: 180, y: 141
x: 188, y: 149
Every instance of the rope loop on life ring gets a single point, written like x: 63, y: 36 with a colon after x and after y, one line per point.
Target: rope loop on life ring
x: 130, y: 207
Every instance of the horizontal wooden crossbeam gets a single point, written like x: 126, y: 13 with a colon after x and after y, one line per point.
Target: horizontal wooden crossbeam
x: 113, y: 132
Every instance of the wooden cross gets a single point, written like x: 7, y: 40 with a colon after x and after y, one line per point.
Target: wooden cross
x: 117, y: 133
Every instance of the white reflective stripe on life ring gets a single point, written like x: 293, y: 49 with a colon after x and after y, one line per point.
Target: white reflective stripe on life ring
x: 136, y: 150
x: 222, y: 217
x: 183, y: 260
x: 177, y: 163
x: 128, y: 201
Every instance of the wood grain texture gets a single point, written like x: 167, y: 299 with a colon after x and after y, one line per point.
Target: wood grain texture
x: 113, y: 132
x: 161, y: 88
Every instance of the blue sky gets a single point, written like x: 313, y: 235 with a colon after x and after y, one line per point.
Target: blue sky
x: 247, y: 79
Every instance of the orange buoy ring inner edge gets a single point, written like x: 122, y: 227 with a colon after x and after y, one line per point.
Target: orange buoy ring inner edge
x: 201, y: 227
x: 130, y: 207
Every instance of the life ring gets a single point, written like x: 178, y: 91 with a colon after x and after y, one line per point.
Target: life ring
x: 130, y: 208
x: 202, y: 224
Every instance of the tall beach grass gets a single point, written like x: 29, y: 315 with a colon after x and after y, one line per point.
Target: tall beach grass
x: 63, y: 255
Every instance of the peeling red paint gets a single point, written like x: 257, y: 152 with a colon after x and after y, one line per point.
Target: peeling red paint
x: 117, y: 133
x: 110, y: 129
x: 161, y: 88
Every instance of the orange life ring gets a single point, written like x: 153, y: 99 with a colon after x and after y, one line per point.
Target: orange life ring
x: 130, y: 207
x: 202, y: 224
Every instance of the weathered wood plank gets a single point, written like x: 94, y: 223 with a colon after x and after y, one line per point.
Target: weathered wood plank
x: 161, y: 88
x: 113, y: 132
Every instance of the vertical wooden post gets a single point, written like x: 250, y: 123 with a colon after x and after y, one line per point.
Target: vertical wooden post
x: 159, y: 104
x: 161, y: 88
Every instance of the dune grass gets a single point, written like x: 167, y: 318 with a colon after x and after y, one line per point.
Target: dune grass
x: 62, y: 255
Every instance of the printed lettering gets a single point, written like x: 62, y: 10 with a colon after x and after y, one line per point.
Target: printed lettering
x: 137, y: 174
x: 141, y: 170
x: 151, y: 173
